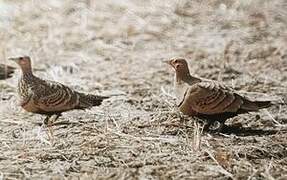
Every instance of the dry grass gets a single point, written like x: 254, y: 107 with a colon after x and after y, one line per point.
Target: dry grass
x: 116, y: 47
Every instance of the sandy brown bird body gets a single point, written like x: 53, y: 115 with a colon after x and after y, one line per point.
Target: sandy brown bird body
x: 49, y: 97
x: 207, y: 99
x: 6, y: 71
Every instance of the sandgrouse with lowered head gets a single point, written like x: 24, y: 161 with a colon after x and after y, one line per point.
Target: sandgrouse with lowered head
x: 48, y: 97
x: 6, y: 71
x: 208, y: 99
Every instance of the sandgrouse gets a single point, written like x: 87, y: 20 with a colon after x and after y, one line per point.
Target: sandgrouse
x: 208, y: 99
x: 6, y: 71
x: 48, y: 97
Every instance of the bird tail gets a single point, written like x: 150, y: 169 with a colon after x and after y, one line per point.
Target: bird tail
x: 263, y: 104
x: 6, y: 71
x: 90, y: 100
x: 249, y: 105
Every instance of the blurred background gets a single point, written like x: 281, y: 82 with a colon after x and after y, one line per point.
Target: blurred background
x: 116, y: 46
x: 92, y: 34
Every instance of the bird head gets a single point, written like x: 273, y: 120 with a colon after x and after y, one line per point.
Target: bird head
x: 178, y: 64
x: 181, y: 68
x: 23, y: 61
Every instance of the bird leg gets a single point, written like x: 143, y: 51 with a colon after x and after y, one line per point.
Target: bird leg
x: 46, y: 120
x: 47, y: 123
x: 55, y: 118
x: 50, y: 123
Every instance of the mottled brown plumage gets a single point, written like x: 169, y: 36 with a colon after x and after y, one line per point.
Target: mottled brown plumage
x: 209, y: 99
x: 6, y: 71
x: 49, y: 97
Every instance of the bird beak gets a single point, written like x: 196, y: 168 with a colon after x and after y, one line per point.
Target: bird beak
x: 12, y: 59
x: 167, y: 62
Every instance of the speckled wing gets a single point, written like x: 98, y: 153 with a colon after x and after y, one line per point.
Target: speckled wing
x: 51, y: 96
x: 211, y: 97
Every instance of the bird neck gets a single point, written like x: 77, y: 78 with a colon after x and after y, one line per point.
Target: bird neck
x: 27, y: 73
x: 183, y: 76
x: 26, y: 69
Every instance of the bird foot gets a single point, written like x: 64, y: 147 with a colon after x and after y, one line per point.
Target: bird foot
x: 213, y: 127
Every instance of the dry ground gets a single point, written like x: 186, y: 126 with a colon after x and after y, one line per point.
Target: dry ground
x: 116, y: 47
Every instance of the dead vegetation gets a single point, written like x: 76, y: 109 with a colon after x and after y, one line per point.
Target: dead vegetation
x: 116, y: 47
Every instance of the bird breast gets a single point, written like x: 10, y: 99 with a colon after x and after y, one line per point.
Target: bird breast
x: 180, y: 90
x: 23, y: 90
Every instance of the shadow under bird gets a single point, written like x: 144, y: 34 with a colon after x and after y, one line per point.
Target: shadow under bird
x: 208, y: 99
x: 6, y: 71
x: 49, y: 97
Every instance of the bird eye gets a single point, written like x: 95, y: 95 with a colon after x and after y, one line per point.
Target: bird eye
x: 176, y: 61
x: 21, y: 58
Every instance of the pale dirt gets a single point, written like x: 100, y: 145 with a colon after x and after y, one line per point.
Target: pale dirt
x: 117, y: 47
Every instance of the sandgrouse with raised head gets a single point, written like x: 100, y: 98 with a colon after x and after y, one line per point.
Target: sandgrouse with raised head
x: 48, y: 97
x: 208, y: 99
x: 6, y: 71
